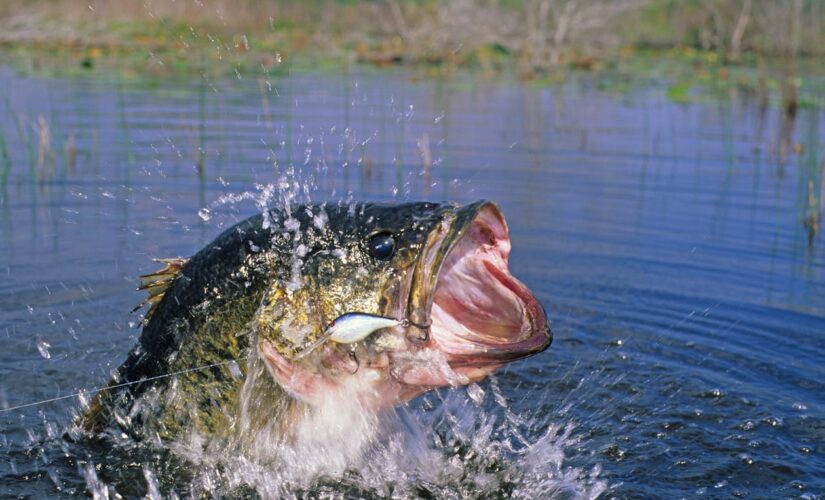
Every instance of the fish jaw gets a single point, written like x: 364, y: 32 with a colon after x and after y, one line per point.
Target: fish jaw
x: 481, y: 316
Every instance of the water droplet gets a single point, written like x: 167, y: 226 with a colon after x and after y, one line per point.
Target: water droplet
x: 476, y: 393
x: 235, y: 370
x: 205, y: 214
x: 292, y: 224
x: 152, y: 484
x: 615, y: 452
x: 773, y: 421
x: 320, y: 220
x: 43, y: 347
x: 84, y: 399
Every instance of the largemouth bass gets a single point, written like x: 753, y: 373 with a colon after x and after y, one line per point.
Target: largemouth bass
x: 419, y: 296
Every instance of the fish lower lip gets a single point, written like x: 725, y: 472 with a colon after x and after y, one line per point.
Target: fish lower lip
x: 539, y: 341
x: 498, y: 356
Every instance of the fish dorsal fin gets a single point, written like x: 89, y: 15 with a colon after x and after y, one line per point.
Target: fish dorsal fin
x: 158, y: 282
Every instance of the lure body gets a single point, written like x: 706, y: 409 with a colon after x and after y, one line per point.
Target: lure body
x: 355, y: 327
x: 351, y: 327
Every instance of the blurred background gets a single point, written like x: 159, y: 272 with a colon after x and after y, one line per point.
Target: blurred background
x: 527, y: 38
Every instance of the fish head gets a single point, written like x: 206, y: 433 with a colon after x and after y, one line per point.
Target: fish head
x: 441, y: 270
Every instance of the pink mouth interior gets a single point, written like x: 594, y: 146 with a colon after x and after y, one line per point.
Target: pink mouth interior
x: 478, y: 305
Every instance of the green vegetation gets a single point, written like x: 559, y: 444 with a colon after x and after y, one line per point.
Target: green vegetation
x: 532, y: 39
x: 5, y: 160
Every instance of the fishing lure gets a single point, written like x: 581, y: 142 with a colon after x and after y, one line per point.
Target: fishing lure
x: 353, y: 327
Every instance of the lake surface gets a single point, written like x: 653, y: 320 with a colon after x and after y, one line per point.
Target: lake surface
x: 666, y: 241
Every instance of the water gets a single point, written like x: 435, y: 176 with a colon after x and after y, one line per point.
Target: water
x: 666, y: 240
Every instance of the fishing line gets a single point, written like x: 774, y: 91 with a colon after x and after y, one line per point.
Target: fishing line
x: 117, y: 386
x: 404, y: 323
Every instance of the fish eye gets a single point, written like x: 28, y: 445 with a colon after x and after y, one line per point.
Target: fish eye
x: 382, y: 246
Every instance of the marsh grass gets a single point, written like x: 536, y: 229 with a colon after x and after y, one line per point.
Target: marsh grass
x: 23, y: 135
x: 5, y: 160
x: 811, y: 178
x: 70, y: 150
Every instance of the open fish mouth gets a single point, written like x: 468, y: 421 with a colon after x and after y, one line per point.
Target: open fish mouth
x: 478, y: 313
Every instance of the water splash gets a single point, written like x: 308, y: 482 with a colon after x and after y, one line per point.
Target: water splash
x: 454, y: 442
x: 95, y: 486
x: 43, y: 349
x: 152, y: 484
x: 205, y: 214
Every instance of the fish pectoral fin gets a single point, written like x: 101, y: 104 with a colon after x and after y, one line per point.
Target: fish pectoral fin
x: 300, y: 383
x: 158, y: 282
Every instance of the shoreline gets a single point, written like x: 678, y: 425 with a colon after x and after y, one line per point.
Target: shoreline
x: 679, y: 69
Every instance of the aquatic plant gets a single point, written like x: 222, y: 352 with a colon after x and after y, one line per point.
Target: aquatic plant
x: 70, y: 148
x: 45, y: 155
x: 5, y: 159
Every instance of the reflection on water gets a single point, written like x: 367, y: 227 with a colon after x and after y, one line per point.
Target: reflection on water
x: 672, y: 245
